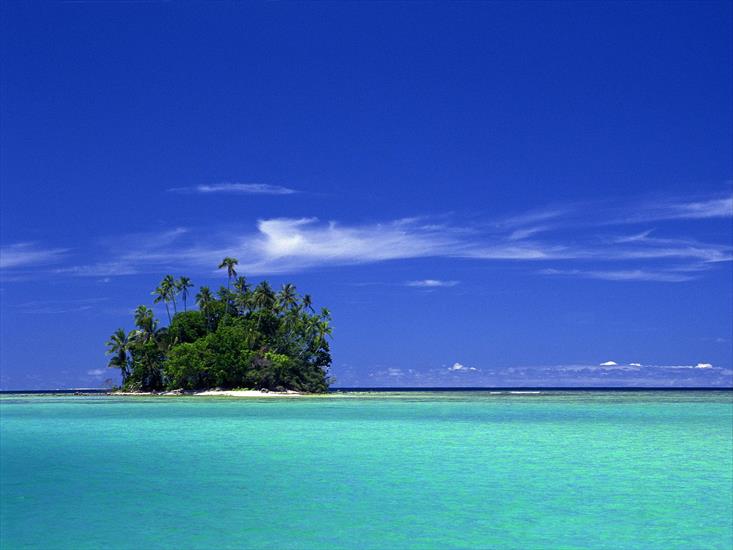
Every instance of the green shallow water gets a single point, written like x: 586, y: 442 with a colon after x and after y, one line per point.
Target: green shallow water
x: 466, y: 470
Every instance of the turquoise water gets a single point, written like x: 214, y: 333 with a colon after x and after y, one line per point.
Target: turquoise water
x: 465, y: 470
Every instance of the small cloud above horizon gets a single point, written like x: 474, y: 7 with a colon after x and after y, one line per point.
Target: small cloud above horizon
x: 460, y: 367
x: 431, y: 283
x: 236, y: 188
x: 609, y: 364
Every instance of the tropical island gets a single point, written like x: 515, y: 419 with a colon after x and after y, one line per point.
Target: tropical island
x: 243, y: 337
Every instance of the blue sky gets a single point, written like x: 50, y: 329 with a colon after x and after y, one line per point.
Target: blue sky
x: 483, y: 194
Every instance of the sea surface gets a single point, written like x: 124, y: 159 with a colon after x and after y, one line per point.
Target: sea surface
x: 641, y: 470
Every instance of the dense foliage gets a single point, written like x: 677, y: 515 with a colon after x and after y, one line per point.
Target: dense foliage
x: 244, y: 337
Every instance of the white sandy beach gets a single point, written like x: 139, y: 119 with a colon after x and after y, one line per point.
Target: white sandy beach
x: 217, y: 393
x: 248, y: 393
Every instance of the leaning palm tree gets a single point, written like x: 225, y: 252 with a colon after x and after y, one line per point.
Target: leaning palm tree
x: 119, y: 345
x: 161, y: 295
x: 182, y: 285
x: 229, y: 263
x: 165, y: 292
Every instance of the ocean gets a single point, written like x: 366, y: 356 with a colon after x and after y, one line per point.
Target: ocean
x: 472, y: 469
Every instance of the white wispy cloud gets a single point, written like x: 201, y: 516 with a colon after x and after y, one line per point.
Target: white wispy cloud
x: 635, y: 238
x: 431, y: 283
x: 718, y: 207
x: 58, y: 306
x: 20, y: 255
x: 609, y: 364
x: 526, y: 232
x: 287, y: 245
x: 236, y: 188
x: 292, y: 244
x: 623, y: 275
x: 282, y: 245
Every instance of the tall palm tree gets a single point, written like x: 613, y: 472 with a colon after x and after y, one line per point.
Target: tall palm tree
x: 229, y: 263
x: 161, y: 295
x: 183, y: 284
x: 119, y: 345
x: 308, y: 302
x: 172, y: 287
x: 164, y: 292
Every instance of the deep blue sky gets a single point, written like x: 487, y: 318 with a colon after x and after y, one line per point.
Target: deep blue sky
x: 482, y: 194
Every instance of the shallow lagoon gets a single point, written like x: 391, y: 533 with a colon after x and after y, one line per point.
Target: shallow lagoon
x: 369, y: 470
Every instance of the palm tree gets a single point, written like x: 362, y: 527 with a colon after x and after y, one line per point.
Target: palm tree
x: 164, y: 292
x: 287, y: 299
x: 241, y: 285
x: 241, y: 298
x: 308, y: 302
x: 225, y: 297
x: 203, y: 299
x: 145, y: 322
x: 323, y: 327
x: 161, y: 295
x: 171, y: 286
x: 183, y: 284
x: 119, y: 345
x: 263, y: 296
x: 229, y: 263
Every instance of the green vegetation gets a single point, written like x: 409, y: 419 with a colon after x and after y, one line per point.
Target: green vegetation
x: 243, y: 337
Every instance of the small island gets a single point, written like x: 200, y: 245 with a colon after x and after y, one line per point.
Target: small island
x: 243, y: 337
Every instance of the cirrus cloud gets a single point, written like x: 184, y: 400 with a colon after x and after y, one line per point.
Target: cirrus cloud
x: 236, y: 188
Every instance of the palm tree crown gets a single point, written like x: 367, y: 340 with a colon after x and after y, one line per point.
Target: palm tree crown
x: 119, y: 344
x: 182, y: 285
x: 229, y: 263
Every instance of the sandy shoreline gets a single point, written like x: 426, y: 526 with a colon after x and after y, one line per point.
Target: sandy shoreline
x: 249, y: 393
x: 214, y: 393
